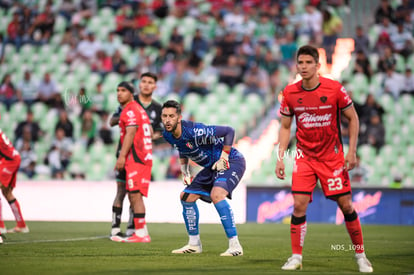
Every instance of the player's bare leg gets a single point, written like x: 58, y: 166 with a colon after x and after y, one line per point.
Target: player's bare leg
x: 191, y: 217
x: 353, y: 227
x: 15, y: 207
x: 298, y: 228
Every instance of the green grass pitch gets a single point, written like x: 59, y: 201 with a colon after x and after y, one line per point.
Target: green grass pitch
x: 83, y: 248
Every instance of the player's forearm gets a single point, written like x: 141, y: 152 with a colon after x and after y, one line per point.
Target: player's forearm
x: 353, y: 133
x: 284, y: 135
x: 114, y: 121
x: 227, y: 133
x: 127, y: 144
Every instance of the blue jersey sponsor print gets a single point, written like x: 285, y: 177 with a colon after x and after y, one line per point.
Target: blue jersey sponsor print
x: 199, y: 143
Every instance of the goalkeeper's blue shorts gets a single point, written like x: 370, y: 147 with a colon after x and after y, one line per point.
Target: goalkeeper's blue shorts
x: 206, y: 179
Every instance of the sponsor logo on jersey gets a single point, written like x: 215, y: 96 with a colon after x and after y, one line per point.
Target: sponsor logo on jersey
x: 325, y: 107
x: 300, y: 100
x: 7, y: 171
x: 313, y: 120
x: 130, y: 114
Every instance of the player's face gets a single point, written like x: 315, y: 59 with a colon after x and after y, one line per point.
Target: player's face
x: 147, y: 85
x: 307, y: 66
x: 124, y: 96
x: 170, y: 119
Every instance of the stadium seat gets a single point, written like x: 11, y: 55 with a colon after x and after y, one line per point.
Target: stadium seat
x: 18, y: 111
x: 39, y: 111
x: 191, y: 102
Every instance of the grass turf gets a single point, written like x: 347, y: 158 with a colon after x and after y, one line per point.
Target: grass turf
x: 83, y: 248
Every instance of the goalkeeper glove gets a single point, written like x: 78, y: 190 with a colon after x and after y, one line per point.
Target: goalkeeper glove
x: 187, y: 178
x: 223, y: 163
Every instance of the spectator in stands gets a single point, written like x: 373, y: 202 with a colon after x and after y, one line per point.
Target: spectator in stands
x: 402, y: 41
x: 265, y: 31
x: 28, y: 159
x: 199, y: 45
x: 48, y: 92
x: 393, y: 82
x: 231, y: 72
x: 234, y: 18
x: 370, y: 106
x: 176, y: 40
x: 119, y: 64
x: 148, y: 36
x: 68, y: 36
x: 88, y: 129
x: 312, y: 22
x: 31, y: 125
x: 99, y: 100
x: 88, y: 47
x: 331, y: 28
x: 105, y: 132
x: 14, y: 31
x: 27, y: 89
x: 376, y: 132
x: 271, y: 65
x: 288, y: 50
x: 256, y: 80
x: 387, y: 26
x: 102, y: 63
x: 408, y: 84
x: 383, y: 42
x: 60, y: 153
x: 361, y: 41
x: 67, y: 9
x: 384, y: 10
x: 160, y: 8
x: 8, y: 92
x: 111, y: 44
x: 65, y: 124
x: 43, y: 25
x: 282, y: 30
x: 228, y: 44
x: 2, y: 48
x: 197, y: 81
x: 386, y: 60
x: 362, y: 65
x: 179, y: 79
x: 295, y: 19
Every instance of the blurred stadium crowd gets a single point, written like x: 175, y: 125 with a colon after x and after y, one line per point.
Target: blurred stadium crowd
x: 226, y: 61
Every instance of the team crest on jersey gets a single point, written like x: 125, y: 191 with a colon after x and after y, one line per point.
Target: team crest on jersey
x: 189, y: 145
x: 323, y: 99
x: 130, y: 114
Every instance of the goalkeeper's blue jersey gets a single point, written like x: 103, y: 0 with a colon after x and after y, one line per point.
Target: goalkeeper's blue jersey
x: 199, y: 143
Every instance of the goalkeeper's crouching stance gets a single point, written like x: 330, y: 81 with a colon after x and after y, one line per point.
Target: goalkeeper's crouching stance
x: 223, y: 167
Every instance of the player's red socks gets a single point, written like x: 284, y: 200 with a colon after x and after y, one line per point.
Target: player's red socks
x: 355, y: 232
x: 139, y: 221
x: 15, y: 207
x: 297, y: 233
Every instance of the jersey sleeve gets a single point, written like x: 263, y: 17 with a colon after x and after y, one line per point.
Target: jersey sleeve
x: 344, y: 100
x: 284, y: 105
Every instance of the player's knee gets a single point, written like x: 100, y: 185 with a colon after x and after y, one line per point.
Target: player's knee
x: 184, y: 196
x: 346, y: 209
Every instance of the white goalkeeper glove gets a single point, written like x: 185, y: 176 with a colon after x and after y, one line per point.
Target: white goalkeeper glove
x: 223, y: 163
x: 187, y: 178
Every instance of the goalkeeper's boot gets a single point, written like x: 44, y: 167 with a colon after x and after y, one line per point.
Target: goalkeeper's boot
x: 116, y: 232
x: 137, y: 239
x: 363, y: 263
x: 188, y: 249
x: 18, y: 229
x: 293, y: 263
x: 1, y: 239
x: 235, y: 249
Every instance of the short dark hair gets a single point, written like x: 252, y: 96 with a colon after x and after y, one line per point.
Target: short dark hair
x: 308, y: 50
x: 172, y: 104
x: 127, y: 86
x: 149, y: 74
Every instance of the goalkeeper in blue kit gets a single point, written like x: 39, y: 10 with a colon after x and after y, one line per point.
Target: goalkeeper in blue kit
x: 223, y: 168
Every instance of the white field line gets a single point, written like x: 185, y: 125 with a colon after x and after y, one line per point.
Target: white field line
x: 5, y: 241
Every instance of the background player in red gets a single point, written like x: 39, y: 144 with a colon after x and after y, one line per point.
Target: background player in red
x: 316, y: 102
x: 9, y: 166
x: 147, y: 85
x: 135, y: 158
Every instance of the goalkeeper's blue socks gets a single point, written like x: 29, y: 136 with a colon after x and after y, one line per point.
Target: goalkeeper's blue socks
x: 191, y: 217
x: 227, y: 218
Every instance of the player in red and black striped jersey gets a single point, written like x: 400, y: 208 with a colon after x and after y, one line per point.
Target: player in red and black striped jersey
x: 9, y: 166
x: 317, y: 104
x: 147, y: 86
